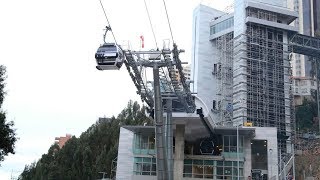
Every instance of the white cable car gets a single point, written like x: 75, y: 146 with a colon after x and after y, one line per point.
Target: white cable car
x: 109, y: 56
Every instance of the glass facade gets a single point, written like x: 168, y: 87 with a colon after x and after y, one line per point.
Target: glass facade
x: 228, y: 23
x: 144, y: 144
x: 197, y: 167
x: 212, y: 169
x: 144, y: 166
x: 230, y: 144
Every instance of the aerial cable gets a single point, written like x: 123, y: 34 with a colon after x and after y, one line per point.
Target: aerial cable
x: 109, y: 26
x: 154, y: 36
x: 165, y: 7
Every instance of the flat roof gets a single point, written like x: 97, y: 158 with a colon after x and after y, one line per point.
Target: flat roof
x: 141, y: 129
x: 243, y: 131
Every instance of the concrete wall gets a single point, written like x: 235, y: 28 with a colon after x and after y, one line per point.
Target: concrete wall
x: 125, y: 155
x: 280, y: 3
x: 203, y: 54
x: 138, y: 177
x: 269, y: 134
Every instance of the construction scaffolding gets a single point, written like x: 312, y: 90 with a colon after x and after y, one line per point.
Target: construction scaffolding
x: 223, y: 71
x: 263, y: 80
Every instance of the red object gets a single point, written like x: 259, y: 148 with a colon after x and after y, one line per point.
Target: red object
x: 142, y: 41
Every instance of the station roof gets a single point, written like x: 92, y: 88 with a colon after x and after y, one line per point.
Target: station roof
x: 243, y: 131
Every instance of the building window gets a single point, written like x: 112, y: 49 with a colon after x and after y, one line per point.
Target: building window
x: 144, y: 144
x: 144, y: 166
x: 215, y: 69
x: 214, y: 105
x: 212, y: 169
x: 230, y: 144
x: 226, y: 24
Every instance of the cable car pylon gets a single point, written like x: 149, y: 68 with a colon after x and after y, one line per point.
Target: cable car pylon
x: 111, y: 56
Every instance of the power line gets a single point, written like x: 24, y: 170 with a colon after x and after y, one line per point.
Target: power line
x: 105, y: 14
x: 154, y: 36
x: 165, y: 7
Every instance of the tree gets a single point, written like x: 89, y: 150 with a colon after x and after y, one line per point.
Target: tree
x: 7, y: 133
x: 92, y: 152
x: 305, y: 114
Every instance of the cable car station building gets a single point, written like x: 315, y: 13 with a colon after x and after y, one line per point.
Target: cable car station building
x: 197, y: 154
x: 199, y: 157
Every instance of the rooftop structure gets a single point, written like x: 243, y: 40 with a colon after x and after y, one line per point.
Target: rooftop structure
x: 61, y: 141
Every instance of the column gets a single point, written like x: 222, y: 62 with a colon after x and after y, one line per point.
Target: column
x: 179, y: 152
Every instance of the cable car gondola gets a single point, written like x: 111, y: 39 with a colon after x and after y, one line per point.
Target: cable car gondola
x: 109, y: 56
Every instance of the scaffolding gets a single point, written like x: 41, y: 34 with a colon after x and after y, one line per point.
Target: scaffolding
x: 223, y: 71
x: 263, y: 80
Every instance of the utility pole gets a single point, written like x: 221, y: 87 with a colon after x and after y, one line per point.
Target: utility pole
x: 160, y: 138
x: 238, y: 151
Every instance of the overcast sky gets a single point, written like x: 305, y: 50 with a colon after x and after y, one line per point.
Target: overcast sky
x: 48, y: 47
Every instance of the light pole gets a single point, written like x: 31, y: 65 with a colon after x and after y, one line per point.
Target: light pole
x: 238, y: 169
x: 270, y: 150
x: 238, y: 151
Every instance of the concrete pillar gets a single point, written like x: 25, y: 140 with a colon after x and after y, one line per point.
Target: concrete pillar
x: 179, y: 152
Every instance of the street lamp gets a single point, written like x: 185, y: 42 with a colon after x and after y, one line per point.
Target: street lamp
x: 238, y: 151
x: 238, y: 169
x: 238, y: 158
x: 270, y: 150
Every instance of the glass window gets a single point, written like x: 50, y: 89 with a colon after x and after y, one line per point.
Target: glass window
x: 233, y: 140
x: 187, y: 169
x: 208, y: 162
x: 228, y: 163
x: 209, y: 170
x: 148, y: 160
x: 219, y: 170
x: 227, y: 171
x: 153, y: 168
x: 221, y: 26
x: 151, y: 142
x: 144, y: 166
x: 187, y: 161
x: 198, y: 162
x: 144, y: 142
x: 197, y: 171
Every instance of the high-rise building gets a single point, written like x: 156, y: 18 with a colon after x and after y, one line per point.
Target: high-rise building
x: 308, y: 24
x: 241, y: 66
